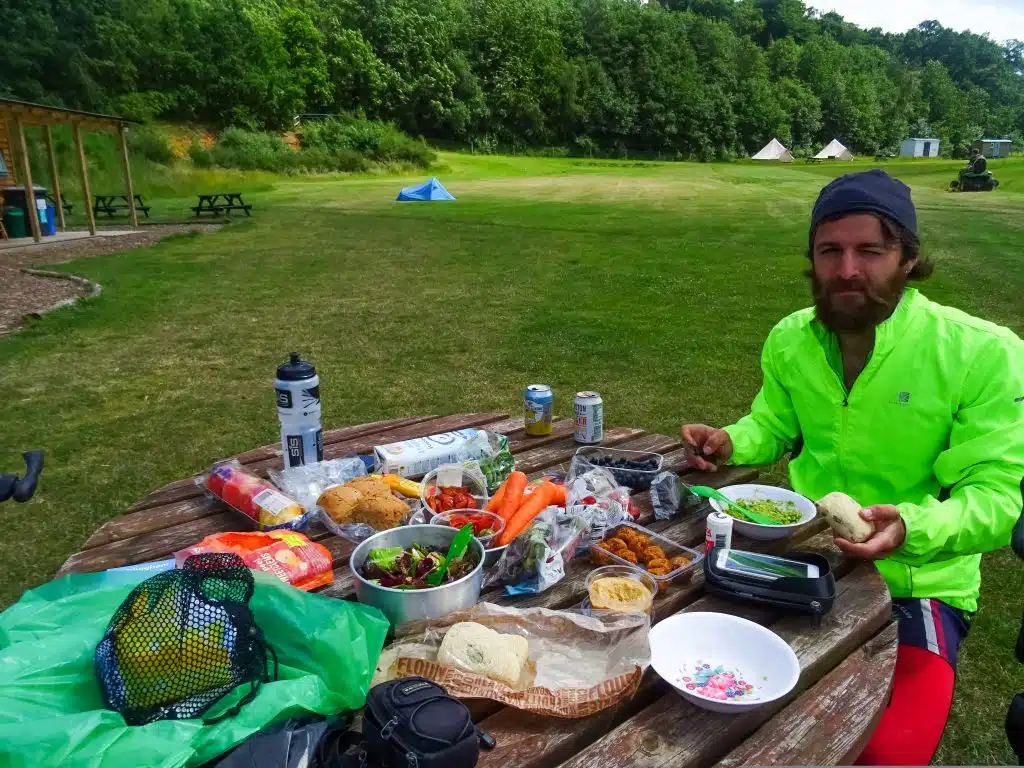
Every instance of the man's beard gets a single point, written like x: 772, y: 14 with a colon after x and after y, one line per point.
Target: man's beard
x: 878, y: 302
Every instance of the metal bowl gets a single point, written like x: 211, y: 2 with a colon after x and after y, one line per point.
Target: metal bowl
x: 402, y: 605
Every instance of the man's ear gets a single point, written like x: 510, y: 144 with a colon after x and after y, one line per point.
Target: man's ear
x: 908, y: 267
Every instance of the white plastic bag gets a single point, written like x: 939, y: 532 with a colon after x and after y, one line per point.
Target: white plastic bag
x: 306, y: 483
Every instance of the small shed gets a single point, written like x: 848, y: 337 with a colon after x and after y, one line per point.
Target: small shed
x: 15, y: 169
x: 993, y: 148
x: 919, y: 148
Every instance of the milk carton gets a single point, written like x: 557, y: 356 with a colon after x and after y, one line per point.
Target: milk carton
x: 410, y: 458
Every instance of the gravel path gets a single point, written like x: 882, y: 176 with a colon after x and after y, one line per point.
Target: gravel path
x: 22, y: 294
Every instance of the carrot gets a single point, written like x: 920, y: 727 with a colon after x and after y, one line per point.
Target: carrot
x: 515, y: 484
x: 494, y: 503
x: 558, y: 493
x: 539, y: 500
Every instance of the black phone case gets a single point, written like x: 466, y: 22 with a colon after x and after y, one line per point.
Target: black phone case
x: 813, y: 596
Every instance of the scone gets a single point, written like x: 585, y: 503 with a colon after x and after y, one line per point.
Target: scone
x: 843, y: 516
x: 481, y: 650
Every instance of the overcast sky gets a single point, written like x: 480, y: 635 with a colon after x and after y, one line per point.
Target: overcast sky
x: 1002, y: 19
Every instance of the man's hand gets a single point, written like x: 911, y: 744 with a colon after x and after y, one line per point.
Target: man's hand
x: 712, y: 446
x: 890, y: 531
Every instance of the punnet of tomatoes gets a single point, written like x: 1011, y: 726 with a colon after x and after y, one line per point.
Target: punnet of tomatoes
x: 451, y: 497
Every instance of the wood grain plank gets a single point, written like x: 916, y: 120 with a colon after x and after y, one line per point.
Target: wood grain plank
x: 561, y: 450
x: 264, y: 452
x: 338, y: 435
x: 833, y: 721
x: 186, y: 487
x: 148, y: 520
x: 673, y: 732
x: 551, y: 741
x: 151, y: 546
x: 520, y: 441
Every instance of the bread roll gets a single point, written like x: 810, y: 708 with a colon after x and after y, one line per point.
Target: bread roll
x: 340, y: 503
x: 843, y: 516
x: 481, y: 650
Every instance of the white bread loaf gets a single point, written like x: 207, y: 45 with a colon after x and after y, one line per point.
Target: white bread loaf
x: 481, y: 650
x: 843, y: 515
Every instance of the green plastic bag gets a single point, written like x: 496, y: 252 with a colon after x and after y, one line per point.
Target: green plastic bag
x: 51, y: 707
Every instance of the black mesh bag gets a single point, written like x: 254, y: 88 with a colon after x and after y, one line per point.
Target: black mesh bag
x: 181, y: 641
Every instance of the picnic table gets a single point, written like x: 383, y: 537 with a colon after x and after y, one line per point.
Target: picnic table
x: 220, y: 202
x: 111, y: 204
x: 847, y: 660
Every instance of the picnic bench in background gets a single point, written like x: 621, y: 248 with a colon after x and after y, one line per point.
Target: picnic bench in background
x: 846, y: 661
x: 814, y: 160
x: 222, y: 202
x: 111, y: 204
x: 66, y: 204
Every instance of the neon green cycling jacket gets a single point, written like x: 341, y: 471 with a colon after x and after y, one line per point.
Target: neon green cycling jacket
x: 934, y: 425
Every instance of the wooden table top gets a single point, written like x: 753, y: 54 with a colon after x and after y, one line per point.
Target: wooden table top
x: 847, y: 661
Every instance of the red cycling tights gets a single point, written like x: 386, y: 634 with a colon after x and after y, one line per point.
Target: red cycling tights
x: 912, y: 724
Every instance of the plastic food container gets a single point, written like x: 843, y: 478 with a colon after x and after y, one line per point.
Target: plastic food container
x: 452, y: 475
x: 636, y: 479
x: 623, y: 572
x: 497, y: 524
x: 680, y: 575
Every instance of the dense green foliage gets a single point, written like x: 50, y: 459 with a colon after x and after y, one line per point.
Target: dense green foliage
x: 349, y: 144
x: 684, y: 78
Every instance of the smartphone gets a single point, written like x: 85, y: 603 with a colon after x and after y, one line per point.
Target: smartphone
x: 766, y: 567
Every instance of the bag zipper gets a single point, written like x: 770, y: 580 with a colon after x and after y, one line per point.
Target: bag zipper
x: 389, y: 728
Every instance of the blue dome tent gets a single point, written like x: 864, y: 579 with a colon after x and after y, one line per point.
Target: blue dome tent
x: 428, y: 190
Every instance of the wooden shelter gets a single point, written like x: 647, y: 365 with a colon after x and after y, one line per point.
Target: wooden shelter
x: 16, y: 116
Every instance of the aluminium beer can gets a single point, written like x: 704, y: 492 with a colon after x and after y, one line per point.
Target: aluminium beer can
x: 538, y: 406
x: 589, y: 411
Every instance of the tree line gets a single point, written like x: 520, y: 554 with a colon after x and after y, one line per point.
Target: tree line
x: 692, y: 79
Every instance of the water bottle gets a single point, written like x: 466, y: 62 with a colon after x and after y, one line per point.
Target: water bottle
x: 298, y: 407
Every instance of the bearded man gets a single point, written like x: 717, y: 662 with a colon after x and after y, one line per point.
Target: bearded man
x: 914, y: 409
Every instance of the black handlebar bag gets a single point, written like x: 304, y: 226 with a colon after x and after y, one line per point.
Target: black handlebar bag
x: 414, y: 723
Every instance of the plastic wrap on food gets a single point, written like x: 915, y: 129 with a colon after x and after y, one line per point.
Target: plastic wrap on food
x: 305, y: 483
x: 670, y: 497
x: 554, y: 663
x: 536, y: 558
x: 362, y: 507
x: 254, y: 497
x: 594, y: 495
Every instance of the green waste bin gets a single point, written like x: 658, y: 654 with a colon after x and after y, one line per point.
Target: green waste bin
x: 14, y: 222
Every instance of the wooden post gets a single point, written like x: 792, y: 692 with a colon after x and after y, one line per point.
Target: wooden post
x: 30, y: 191
x: 123, y: 145
x: 54, y: 178
x: 83, y: 169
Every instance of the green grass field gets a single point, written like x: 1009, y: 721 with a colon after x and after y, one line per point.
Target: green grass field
x: 652, y: 283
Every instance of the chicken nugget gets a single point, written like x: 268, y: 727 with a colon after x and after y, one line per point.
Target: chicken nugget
x: 627, y: 555
x: 654, y: 552
x: 659, y: 571
x: 659, y: 563
x: 644, y: 540
x: 626, y: 535
x: 614, y: 544
x: 679, y: 562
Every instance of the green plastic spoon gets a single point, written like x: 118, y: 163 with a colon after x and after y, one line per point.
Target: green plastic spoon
x: 711, y: 493
x: 455, y: 551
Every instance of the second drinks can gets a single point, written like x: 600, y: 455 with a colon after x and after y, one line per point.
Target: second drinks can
x: 589, y: 412
x: 538, y: 405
